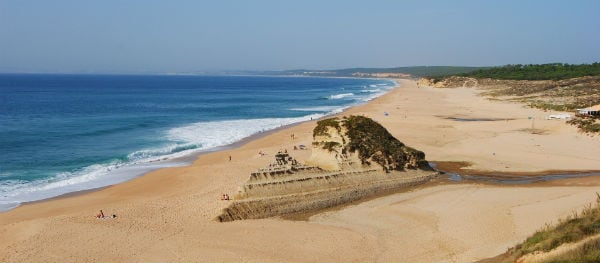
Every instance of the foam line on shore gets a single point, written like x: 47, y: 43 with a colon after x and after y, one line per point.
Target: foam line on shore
x: 187, y: 140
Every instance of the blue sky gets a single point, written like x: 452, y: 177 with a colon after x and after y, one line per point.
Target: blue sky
x: 187, y: 36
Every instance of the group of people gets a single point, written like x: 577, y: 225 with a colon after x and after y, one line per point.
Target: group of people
x: 225, y: 197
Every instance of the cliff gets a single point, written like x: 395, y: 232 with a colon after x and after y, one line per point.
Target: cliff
x: 351, y: 158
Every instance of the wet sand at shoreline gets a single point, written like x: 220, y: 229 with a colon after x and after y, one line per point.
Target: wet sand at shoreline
x: 167, y: 215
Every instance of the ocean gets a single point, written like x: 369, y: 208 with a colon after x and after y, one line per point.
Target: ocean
x: 66, y: 133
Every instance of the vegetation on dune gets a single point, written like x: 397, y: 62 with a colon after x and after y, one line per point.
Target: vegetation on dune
x: 574, y: 228
x: 323, y: 126
x: 586, y: 124
x: 331, y: 146
x: 553, y: 71
x: 562, y: 95
x: 555, y: 87
x: 373, y: 143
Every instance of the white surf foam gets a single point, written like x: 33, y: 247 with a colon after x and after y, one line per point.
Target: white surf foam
x: 340, y: 96
x: 374, y: 93
x: 185, y: 140
x: 213, y: 134
x: 319, y: 108
x: 94, y: 176
x: 370, y: 90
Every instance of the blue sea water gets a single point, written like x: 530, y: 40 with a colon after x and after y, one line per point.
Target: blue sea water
x: 66, y: 133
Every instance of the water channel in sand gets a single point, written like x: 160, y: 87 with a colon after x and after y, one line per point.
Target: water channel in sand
x: 513, y: 179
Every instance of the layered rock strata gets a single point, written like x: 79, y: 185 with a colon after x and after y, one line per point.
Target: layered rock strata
x: 342, y: 168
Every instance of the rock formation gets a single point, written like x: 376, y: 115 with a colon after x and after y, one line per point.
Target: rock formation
x: 351, y: 158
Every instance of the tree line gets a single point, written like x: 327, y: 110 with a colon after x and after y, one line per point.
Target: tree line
x: 553, y: 71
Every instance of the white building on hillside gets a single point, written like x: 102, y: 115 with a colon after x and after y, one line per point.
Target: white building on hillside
x: 593, y: 110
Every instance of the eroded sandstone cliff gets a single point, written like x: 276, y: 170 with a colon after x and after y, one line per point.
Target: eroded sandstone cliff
x: 352, y: 158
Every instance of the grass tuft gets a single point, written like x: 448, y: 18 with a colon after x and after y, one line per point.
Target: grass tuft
x: 576, y: 227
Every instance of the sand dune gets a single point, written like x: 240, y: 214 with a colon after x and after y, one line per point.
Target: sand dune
x: 168, y: 215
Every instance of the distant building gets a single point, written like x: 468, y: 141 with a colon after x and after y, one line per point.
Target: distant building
x: 593, y: 111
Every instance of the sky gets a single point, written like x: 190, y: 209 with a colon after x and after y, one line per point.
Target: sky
x: 148, y: 36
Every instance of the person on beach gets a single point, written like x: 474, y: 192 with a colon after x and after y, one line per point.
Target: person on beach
x: 230, y: 158
x: 100, y: 215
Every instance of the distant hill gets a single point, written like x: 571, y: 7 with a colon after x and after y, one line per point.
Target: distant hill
x: 415, y: 72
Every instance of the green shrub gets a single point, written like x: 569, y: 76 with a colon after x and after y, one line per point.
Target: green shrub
x: 586, y: 124
x: 322, y: 126
x: 373, y: 141
x: 552, y: 71
x: 330, y: 146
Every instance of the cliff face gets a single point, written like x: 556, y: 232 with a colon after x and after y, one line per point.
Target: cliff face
x: 351, y: 158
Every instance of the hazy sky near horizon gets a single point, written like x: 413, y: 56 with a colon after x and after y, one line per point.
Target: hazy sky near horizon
x: 146, y: 36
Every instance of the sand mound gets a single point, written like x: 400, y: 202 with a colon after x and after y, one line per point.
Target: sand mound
x: 351, y: 158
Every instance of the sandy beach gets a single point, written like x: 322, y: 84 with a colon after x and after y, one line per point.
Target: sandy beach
x: 168, y: 215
